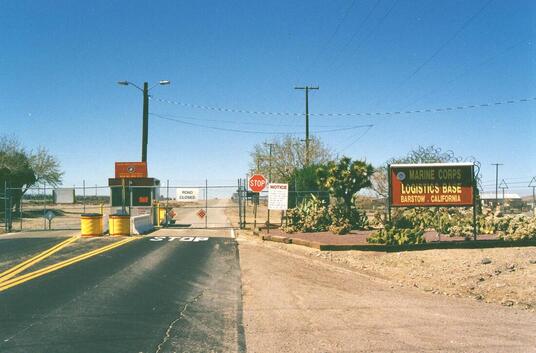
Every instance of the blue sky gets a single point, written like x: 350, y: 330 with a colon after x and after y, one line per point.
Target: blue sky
x: 60, y: 62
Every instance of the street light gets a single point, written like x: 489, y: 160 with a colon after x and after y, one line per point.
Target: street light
x: 145, y: 132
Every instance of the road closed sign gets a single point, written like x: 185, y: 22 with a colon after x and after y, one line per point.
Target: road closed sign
x: 277, y: 197
x: 187, y: 194
x: 257, y: 182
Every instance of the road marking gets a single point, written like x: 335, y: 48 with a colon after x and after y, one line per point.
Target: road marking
x: 4, y: 276
x: 35, y: 274
x: 192, y: 239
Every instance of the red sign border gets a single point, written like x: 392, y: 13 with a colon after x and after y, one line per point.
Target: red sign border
x: 430, y: 165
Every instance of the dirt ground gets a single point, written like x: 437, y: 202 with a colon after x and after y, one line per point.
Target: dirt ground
x: 297, y: 299
x: 505, y: 276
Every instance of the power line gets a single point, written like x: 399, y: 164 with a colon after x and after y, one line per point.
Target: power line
x: 441, y: 47
x: 185, y: 117
x: 371, y: 32
x: 357, y: 139
x: 365, y: 114
x: 256, y: 131
x: 357, y: 31
x: 335, y: 32
x: 469, y: 69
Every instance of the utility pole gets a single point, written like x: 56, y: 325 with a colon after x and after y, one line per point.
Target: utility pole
x: 307, y: 88
x: 145, y: 133
x: 496, y: 182
x: 270, y: 145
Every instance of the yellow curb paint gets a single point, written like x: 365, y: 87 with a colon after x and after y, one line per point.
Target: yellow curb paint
x: 32, y: 261
x: 29, y: 276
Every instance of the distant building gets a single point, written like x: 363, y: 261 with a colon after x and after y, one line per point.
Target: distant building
x: 510, y: 199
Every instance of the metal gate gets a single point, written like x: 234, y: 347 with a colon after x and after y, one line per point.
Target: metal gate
x: 207, y: 205
x: 215, y: 205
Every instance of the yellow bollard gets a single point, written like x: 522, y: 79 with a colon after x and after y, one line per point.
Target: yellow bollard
x: 119, y: 225
x: 161, y: 215
x: 91, y: 224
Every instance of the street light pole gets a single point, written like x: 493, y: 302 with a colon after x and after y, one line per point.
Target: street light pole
x: 145, y: 131
x: 145, y: 117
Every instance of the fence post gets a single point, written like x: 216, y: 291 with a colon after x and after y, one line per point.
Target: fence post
x: 167, y: 202
x: 84, y: 194
x: 20, y: 211
x: 5, y: 205
x: 206, y: 203
x: 44, y: 206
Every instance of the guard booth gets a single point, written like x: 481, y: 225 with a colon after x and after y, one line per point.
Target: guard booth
x: 131, y: 191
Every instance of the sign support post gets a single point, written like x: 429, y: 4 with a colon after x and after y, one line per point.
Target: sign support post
x: 389, y: 193
x: 474, y: 203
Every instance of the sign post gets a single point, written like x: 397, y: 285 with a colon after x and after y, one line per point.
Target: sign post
x: 432, y: 185
x: 277, y: 198
x: 256, y: 183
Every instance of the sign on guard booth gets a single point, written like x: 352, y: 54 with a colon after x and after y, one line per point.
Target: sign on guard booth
x: 130, y: 170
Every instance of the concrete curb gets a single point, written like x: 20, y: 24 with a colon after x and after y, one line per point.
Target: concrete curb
x: 277, y: 239
x: 479, y: 244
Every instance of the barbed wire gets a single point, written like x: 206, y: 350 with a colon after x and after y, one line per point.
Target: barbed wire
x: 367, y: 114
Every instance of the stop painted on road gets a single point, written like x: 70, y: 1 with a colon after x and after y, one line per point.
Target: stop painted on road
x: 190, y: 239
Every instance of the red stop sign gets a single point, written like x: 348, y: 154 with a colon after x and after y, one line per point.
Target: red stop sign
x: 257, y: 183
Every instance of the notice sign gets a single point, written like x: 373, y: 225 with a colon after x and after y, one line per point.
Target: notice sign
x: 130, y: 170
x: 277, y: 196
x: 434, y: 184
x: 187, y: 194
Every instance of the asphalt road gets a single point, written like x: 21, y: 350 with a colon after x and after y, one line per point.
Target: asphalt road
x: 166, y: 294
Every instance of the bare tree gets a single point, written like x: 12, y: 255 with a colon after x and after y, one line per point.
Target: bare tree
x: 46, y: 167
x: 288, y: 154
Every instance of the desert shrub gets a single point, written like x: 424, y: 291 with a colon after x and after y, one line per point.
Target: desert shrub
x: 310, y: 215
x: 517, y: 228
x: 402, y: 231
x: 397, y: 236
x: 449, y: 221
x: 343, y: 219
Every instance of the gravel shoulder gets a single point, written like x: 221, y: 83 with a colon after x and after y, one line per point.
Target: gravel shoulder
x: 298, y: 299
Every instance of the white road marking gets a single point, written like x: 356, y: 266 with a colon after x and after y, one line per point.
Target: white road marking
x: 191, y: 239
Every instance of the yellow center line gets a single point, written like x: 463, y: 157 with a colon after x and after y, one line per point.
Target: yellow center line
x: 29, y: 276
x: 32, y: 261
